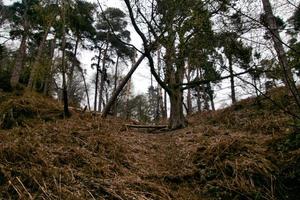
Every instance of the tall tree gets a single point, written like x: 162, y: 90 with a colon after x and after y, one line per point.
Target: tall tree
x: 80, y: 21
x: 21, y: 15
x: 236, y: 53
x: 111, y: 31
x: 46, y: 15
x: 63, y: 61
x: 287, y: 75
x: 173, y: 24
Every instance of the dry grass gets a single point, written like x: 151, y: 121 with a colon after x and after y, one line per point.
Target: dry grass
x: 236, y: 166
x: 228, y: 154
x: 258, y: 115
x: 21, y: 110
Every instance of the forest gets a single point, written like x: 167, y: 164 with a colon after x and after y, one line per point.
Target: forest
x: 220, y: 118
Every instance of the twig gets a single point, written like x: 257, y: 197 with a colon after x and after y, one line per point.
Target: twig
x: 24, y: 188
x: 91, y: 194
x: 15, y: 188
x: 42, y: 188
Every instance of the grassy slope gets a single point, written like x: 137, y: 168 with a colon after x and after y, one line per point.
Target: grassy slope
x: 243, y: 152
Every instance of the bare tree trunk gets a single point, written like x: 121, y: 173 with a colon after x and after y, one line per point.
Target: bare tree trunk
x: 287, y: 72
x: 115, y: 95
x: 63, y: 64
x: 189, y: 98
x: 127, y: 95
x: 211, y: 96
x: 158, y: 91
x: 198, y: 91
x: 86, y: 89
x: 16, y: 73
x: 233, y: 97
x: 157, y: 107
x: 102, y: 79
x: 115, y: 85
x: 161, y: 103
x: 97, y: 80
x: 14, y: 80
x: 189, y: 101
x: 70, y: 78
x: 35, y: 65
x: 177, y: 119
x: 206, y: 101
x: 49, y: 76
x: 165, y: 110
x: 106, y: 96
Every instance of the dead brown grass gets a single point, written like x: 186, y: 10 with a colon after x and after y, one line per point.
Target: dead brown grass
x: 236, y: 153
x: 258, y: 115
x: 24, y: 109
x: 236, y: 166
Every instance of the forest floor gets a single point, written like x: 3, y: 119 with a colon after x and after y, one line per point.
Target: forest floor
x: 247, y: 151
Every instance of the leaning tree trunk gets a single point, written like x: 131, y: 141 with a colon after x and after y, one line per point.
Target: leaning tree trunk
x: 177, y: 119
x: 115, y: 95
x: 287, y: 72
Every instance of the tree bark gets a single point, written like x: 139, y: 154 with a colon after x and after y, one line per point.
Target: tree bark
x: 49, y: 76
x: 232, y: 85
x: 16, y: 73
x: 189, y: 96
x: 173, y: 75
x: 199, y: 76
x: 71, y: 74
x: 177, y: 119
x: 160, y: 106
x: 102, y: 79
x: 63, y: 64
x: 35, y: 65
x: 86, y: 89
x: 97, y: 80
x: 165, y: 110
x: 287, y: 72
x: 127, y: 95
x: 115, y: 84
x: 211, y: 96
x: 115, y: 95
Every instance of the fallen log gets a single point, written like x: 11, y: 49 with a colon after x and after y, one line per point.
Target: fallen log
x: 146, y: 126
